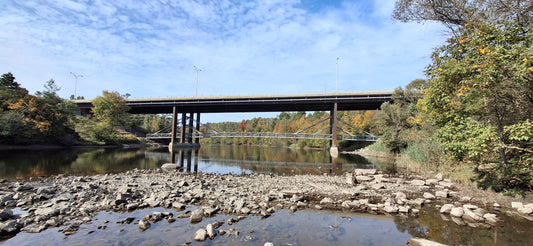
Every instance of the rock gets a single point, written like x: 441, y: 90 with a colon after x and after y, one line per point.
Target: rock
x: 496, y: 205
x: 418, y: 182
x: 470, y: 216
x: 390, y: 209
x: 362, y: 178
x: 268, y: 244
x: 465, y: 199
x: 525, y: 210
x: 492, y: 219
x: 5, y: 198
x: 210, y: 231
x: 169, y: 166
x: 360, y: 171
x: 327, y: 200
x: 431, y: 181
x: 470, y: 206
x: 178, y: 205
x: 441, y: 193
x: 457, y: 212
x: 423, y: 242
x: 378, y: 186
x: 439, y: 176
x: 446, y: 208
x: 403, y: 209
x: 350, y: 179
x: 197, y: 215
x: 200, y: 235
x: 428, y: 195
x: 6, y: 214
x: 47, y: 211
x: 517, y: 205
x: 143, y: 225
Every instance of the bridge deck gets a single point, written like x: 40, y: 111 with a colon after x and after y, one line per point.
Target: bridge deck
x: 368, y: 100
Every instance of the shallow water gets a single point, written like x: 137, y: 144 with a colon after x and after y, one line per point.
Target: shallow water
x: 282, y: 228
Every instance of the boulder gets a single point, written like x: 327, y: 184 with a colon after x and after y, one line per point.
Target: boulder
x: 362, y: 178
x: 143, y: 225
x: 428, y: 195
x: 197, y: 215
x: 210, y: 231
x: 446, y: 208
x: 6, y: 214
x: 470, y: 216
x: 457, y: 212
x: 360, y: 171
x: 418, y: 182
x: 516, y: 205
x: 169, y: 166
x: 491, y: 219
x: 441, y: 193
x: 200, y: 235
x: 525, y: 210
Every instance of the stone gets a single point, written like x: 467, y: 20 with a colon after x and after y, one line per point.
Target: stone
x: 200, y: 235
x: 418, y: 182
x: 362, y: 178
x: 432, y: 181
x: 169, y: 166
x: 525, y: 210
x: 390, y: 209
x: 516, y: 205
x: 327, y: 200
x: 465, y: 199
x: 446, y: 208
x: 491, y: 219
x: 196, y: 215
x: 403, y: 209
x: 178, y: 205
x: 439, y: 176
x: 423, y: 242
x: 360, y: 171
x: 470, y: 206
x: 378, y: 186
x: 268, y: 244
x: 441, y: 193
x: 457, y: 212
x: 50, y: 211
x: 470, y: 216
x: 6, y: 214
x: 428, y: 195
x: 350, y: 179
x: 210, y: 231
x: 143, y: 225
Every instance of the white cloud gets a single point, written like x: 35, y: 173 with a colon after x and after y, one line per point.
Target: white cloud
x: 148, y: 48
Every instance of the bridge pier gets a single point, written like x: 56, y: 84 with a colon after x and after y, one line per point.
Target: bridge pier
x: 185, y: 141
x: 333, y: 150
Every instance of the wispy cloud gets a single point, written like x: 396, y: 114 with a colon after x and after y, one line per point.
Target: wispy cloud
x: 148, y: 48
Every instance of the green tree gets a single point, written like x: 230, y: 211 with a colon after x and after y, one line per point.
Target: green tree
x: 480, y: 93
x: 110, y: 108
x: 399, y: 121
x: 10, y: 91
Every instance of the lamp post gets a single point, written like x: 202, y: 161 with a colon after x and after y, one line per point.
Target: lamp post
x: 76, y: 76
x: 337, y: 79
x: 197, y: 70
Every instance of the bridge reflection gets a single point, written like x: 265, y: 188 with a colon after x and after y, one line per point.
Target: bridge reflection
x: 205, y: 160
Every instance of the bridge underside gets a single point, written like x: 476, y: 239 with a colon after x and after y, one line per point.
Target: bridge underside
x: 332, y: 102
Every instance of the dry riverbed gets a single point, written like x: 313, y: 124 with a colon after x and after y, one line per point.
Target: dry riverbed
x: 71, y: 201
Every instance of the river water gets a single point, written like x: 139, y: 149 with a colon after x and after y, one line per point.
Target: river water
x: 304, y: 227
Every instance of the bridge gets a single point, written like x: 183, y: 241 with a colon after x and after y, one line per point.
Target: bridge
x: 344, y: 101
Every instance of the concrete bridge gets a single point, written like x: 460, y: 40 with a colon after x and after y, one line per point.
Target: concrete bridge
x: 344, y: 101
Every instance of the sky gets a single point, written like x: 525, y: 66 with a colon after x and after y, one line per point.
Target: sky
x: 151, y: 48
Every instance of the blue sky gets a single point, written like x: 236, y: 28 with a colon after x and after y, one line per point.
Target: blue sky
x: 149, y: 48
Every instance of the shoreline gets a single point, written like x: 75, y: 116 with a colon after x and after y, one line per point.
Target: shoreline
x: 70, y: 201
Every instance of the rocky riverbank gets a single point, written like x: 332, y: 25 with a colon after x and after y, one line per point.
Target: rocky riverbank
x: 70, y: 201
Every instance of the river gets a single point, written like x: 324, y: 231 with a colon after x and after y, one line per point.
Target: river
x: 304, y: 227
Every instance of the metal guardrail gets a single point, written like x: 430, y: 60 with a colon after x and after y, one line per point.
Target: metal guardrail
x: 364, y: 138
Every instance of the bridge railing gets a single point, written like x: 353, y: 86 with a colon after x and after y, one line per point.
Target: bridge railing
x: 368, y: 138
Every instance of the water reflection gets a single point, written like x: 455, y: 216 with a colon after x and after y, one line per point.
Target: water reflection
x: 210, y: 159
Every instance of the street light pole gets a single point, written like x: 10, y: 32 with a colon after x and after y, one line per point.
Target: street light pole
x: 197, y: 70
x: 337, y: 79
x: 76, y: 76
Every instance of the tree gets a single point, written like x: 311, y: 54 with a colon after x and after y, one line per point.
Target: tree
x: 110, y: 108
x: 10, y: 91
x: 399, y: 121
x: 457, y: 13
